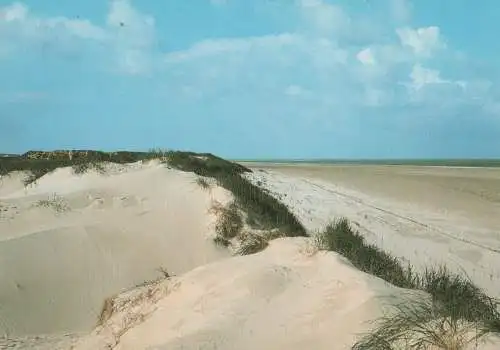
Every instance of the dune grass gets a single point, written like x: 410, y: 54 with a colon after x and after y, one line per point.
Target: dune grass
x: 92, y: 160
x: 228, y: 224
x: 264, y: 212
x: 203, y: 183
x: 457, y: 313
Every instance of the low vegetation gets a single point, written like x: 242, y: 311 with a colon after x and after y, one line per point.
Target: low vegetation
x: 229, y: 222
x: 39, y: 163
x: 251, y: 242
x: 458, y: 312
x: 55, y: 202
x: 203, y: 183
x: 263, y: 211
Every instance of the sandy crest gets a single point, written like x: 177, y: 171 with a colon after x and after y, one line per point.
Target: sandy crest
x: 118, y: 230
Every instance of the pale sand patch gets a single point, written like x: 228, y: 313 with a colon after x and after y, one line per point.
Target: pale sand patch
x: 281, y: 298
x: 56, y: 268
x: 427, y: 216
x: 11, y: 182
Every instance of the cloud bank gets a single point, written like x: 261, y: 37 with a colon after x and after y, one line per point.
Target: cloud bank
x: 327, y: 80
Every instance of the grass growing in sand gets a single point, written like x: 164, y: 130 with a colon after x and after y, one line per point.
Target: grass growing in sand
x: 203, y: 183
x: 229, y: 222
x: 83, y: 167
x: 40, y: 163
x: 230, y: 225
x: 54, y: 202
x: 264, y: 212
x: 458, y: 312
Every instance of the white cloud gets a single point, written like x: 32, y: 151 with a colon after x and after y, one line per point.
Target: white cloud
x: 423, y: 41
x: 314, y: 56
x: 133, y: 36
x: 421, y: 76
x: 128, y: 33
x: 366, y: 57
x: 24, y: 25
x: 14, y: 12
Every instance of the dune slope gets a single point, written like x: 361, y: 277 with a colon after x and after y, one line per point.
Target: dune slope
x: 281, y: 298
x: 101, y: 235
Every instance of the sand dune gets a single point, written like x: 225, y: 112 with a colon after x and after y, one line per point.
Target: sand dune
x: 281, y: 298
x: 112, y: 232
x: 109, y: 233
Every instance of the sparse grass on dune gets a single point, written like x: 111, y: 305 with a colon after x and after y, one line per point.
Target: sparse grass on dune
x: 86, y: 166
x: 457, y: 314
x: 81, y: 162
x: 203, y: 183
x: 422, y: 324
x: 251, y: 242
x: 229, y: 222
x: 54, y: 202
x: 264, y: 212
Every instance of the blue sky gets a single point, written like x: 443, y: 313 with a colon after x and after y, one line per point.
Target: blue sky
x: 253, y: 79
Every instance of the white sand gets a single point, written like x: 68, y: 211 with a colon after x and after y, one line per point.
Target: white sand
x: 461, y: 231
x: 281, y: 298
x: 121, y: 227
x: 119, y: 230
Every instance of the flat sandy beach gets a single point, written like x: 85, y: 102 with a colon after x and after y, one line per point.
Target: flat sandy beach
x: 424, y: 214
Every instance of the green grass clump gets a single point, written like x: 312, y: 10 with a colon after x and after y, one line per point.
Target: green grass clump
x: 455, y: 302
x: 339, y: 237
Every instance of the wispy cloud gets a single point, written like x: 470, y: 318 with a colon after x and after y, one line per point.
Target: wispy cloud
x: 128, y: 35
x: 327, y: 68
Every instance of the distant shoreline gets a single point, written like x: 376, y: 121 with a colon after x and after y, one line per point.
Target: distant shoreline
x: 455, y: 163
